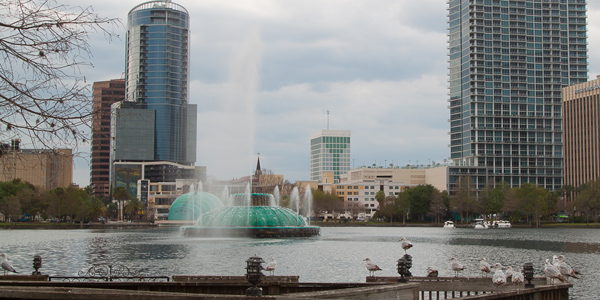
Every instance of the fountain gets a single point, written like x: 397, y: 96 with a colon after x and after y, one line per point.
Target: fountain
x: 251, y: 215
x: 190, y: 206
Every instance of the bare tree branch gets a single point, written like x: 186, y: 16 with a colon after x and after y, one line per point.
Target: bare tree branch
x: 44, y: 97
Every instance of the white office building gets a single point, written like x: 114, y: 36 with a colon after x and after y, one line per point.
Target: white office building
x: 329, y: 152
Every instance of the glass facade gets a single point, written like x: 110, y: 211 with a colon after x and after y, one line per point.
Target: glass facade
x: 329, y: 152
x: 157, y: 75
x: 508, y: 61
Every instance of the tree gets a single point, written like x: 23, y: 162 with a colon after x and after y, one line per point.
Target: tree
x: 388, y: 206
x: 11, y: 208
x: 498, y: 197
x: 533, y: 200
x: 325, y: 202
x: 588, y: 200
x: 437, y: 208
x: 403, y: 205
x: 464, y: 199
x: 97, y: 209
x: 32, y: 202
x: 133, y: 208
x: 120, y: 194
x: 419, y: 200
x: 43, y: 95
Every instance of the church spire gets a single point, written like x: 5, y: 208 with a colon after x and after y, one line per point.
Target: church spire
x: 258, y: 169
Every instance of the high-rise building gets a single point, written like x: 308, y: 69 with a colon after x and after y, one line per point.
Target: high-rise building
x: 582, y: 132
x: 509, y: 61
x: 156, y: 75
x: 329, y: 152
x: 105, y: 93
x: 153, y: 132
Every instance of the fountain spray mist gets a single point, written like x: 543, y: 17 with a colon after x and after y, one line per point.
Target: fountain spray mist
x: 233, y: 120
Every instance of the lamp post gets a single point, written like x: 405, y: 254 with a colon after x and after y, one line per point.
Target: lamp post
x: 408, y: 259
x: 37, y: 263
x: 528, y: 274
x: 254, y: 275
x: 402, y: 270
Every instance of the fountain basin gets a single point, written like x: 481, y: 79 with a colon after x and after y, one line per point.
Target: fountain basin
x: 251, y: 221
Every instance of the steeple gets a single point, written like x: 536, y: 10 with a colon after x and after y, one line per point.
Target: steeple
x: 258, y: 169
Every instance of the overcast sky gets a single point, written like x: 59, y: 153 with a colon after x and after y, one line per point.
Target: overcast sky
x: 264, y: 73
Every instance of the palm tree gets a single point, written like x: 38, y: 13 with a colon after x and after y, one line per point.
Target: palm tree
x: 133, y: 207
x: 120, y: 194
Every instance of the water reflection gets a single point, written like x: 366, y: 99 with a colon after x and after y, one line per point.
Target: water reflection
x: 335, y: 256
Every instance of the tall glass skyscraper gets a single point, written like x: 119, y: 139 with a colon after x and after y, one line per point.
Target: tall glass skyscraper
x: 157, y: 62
x: 509, y: 60
x: 329, y: 152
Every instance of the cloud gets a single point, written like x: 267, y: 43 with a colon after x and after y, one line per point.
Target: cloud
x: 379, y: 67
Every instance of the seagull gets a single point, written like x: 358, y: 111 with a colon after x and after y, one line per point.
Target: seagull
x: 484, y: 266
x: 271, y: 266
x: 563, y: 267
x: 553, y: 272
x: 509, y: 273
x: 499, y: 278
x: 517, y: 278
x: 562, y: 258
x: 6, y: 265
x: 456, y: 266
x: 371, y: 266
x: 431, y: 272
x: 406, y: 244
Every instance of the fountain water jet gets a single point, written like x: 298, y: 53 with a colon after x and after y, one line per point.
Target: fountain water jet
x: 308, y: 202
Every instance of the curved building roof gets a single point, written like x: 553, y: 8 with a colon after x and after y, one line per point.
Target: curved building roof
x: 191, y: 205
x: 251, y: 216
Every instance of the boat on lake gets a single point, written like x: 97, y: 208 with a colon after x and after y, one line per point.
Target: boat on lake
x: 480, y: 224
x: 449, y: 224
x: 499, y: 224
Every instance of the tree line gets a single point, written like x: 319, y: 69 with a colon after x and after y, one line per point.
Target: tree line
x: 529, y: 202
x: 19, y: 199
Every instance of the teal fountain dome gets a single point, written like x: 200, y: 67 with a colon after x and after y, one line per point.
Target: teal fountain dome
x: 252, y: 215
x: 191, y: 205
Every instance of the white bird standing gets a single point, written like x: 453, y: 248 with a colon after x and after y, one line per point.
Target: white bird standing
x: 371, y: 266
x: 517, y: 278
x: 552, y: 272
x: 6, y: 265
x: 271, y: 266
x: 509, y: 273
x: 563, y: 267
x: 562, y: 259
x: 484, y: 266
x: 499, y: 278
x: 456, y: 266
x: 431, y: 272
x: 406, y: 244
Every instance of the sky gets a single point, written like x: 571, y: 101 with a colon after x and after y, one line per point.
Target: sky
x: 265, y: 74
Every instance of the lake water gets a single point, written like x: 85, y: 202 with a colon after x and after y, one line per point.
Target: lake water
x: 335, y: 256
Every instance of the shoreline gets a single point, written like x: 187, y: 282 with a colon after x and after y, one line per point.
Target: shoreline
x: 146, y: 225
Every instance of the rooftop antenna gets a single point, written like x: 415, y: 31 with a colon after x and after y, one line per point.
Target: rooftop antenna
x: 328, y: 119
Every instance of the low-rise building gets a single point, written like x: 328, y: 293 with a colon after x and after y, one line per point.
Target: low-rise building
x: 46, y: 169
x: 359, y: 197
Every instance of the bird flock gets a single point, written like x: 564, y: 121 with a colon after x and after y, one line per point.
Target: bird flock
x: 557, y: 269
